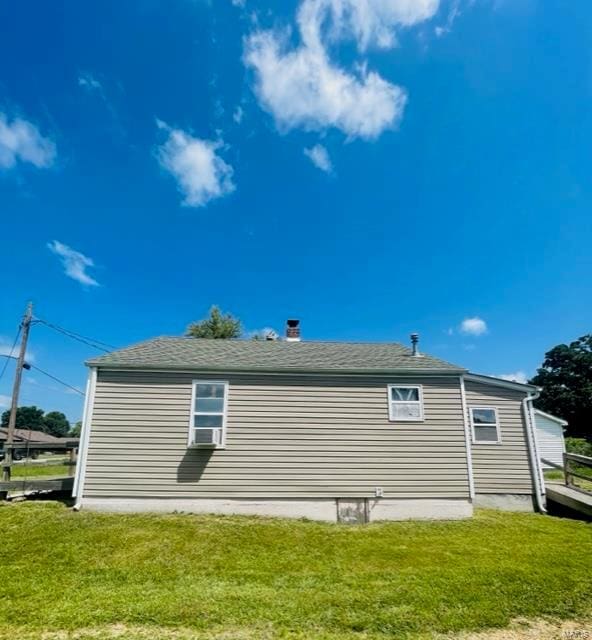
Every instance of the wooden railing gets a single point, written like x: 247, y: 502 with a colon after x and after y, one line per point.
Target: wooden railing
x: 573, y: 467
x: 63, y: 483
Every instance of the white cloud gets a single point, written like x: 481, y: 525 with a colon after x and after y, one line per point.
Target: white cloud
x: 89, y: 82
x: 201, y: 174
x: 6, y: 349
x: 369, y: 22
x: 517, y: 376
x: 238, y: 114
x: 75, y: 263
x: 5, y: 401
x: 301, y: 87
x: 238, y: 3
x: 319, y: 157
x: 473, y: 326
x: 453, y: 14
x: 20, y: 140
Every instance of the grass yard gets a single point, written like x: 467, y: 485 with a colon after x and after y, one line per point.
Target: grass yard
x: 185, y: 576
x: 19, y: 471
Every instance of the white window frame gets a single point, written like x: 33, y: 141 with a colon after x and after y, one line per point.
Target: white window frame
x: 194, y: 413
x: 391, y: 402
x: 489, y: 424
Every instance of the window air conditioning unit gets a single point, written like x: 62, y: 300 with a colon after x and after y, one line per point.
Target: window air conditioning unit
x: 207, y: 438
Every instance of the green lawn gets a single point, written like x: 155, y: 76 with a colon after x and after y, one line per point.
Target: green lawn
x: 185, y: 576
x: 19, y: 471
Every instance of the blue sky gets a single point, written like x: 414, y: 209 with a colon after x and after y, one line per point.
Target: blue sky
x: 403, y: 168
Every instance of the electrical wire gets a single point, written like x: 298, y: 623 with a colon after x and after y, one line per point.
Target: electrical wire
x: 92, y: 342
x: 9, y: 356
x: 56, y: 379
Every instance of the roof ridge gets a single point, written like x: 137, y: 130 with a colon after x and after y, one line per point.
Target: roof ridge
x: 295, y: 342
x: 176, y: 352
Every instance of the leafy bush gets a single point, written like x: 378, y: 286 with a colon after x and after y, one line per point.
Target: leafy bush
x: 580, y: 446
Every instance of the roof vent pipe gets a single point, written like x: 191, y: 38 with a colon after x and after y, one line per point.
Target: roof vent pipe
x: 293, y: 331
x: 414, y: 342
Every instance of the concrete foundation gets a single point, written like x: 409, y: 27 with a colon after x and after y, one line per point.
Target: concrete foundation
x: 428, y: 509
x: 505, y: 501
x: 346, y: 510
x: 316, y: 509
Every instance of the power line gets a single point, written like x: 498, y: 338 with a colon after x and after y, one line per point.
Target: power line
x: 9, y: 356
x: 57, y: 379
x: 92, y: 342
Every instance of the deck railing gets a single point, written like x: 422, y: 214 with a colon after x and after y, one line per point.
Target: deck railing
x: 575, y: 466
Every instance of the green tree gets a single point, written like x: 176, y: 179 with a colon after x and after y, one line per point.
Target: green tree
x: 26, y: 418
x: 56, y: 424
x: 216, y: 325
x: 76, y: 430
x: 566, y: 380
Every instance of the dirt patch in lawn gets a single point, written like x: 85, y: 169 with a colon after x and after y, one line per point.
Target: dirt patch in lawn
x: 132, y: 632
x: 518, y: 630
x: 531, y: 630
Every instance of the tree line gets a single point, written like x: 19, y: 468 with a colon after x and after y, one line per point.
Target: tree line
x: 53, y: 423
x: 566, y: 381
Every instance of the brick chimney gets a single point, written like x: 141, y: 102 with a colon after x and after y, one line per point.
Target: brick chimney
x: 293, y: 331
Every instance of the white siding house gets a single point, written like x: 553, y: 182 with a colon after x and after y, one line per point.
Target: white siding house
x: 550, y: 440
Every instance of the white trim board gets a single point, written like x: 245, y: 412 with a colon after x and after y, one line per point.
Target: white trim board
x: 89, y: 402
x: 468, y: 440
x: 498, y: 382
x: 560, y: 421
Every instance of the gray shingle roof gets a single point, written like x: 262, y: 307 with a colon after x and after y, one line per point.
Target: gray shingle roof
x: 264, y: 355
x: 32, y: 435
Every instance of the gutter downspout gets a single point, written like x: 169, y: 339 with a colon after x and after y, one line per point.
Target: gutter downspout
x: 468, y: 439
x: 539, y: 486
x: 89, y: 402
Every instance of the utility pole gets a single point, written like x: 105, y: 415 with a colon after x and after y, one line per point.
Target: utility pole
x: 26, y: 325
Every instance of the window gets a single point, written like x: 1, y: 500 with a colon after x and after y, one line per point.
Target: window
x: 405, y: 403
x: 485, y: 425
x: 208, y: 413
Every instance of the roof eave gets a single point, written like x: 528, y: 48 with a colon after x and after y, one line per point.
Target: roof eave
x: 553, y: 418
x: 498, y: 382
x: 271, y: 370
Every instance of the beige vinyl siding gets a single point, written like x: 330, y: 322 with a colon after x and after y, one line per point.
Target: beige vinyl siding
x: 287, y: 436
x: 504, y: 467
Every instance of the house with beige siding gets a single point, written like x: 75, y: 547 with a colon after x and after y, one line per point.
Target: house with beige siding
x: 322, y: 430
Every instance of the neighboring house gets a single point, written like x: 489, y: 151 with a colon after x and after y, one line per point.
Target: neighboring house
x: 27, y: 435
x: 24, y: 436
x: 550, y: 440
x: 323, y: 430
